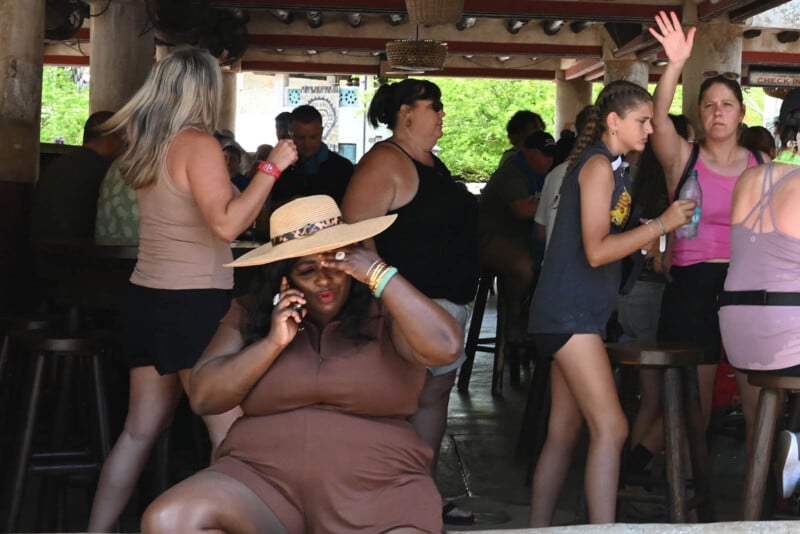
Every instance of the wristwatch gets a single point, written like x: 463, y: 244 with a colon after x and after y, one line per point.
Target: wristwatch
x: 267, y: 167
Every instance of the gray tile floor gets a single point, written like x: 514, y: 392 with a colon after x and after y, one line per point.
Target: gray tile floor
x: 480, y: 471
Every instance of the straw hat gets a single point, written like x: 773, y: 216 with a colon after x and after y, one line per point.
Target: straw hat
x: 309, y: 225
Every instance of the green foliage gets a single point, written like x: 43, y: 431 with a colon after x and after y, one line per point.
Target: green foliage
x: 65, y: 108
x: 476, y: 115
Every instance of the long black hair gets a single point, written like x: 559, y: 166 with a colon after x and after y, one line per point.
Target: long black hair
x: 266, y: 283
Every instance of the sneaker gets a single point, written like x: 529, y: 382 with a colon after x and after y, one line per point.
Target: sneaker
x: 787, y: 464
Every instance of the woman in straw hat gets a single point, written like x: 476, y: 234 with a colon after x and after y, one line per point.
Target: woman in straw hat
x: 189, y: 213
x: 327, y: 359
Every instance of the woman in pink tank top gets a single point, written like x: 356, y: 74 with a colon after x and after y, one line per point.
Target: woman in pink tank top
x: 180, y: 289
x: 689, y: 304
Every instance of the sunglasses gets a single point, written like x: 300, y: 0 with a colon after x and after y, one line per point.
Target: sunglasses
x: 437, y: 106
x: 729, y: 74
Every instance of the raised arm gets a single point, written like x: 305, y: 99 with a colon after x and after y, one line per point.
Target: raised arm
x: 228, y: 370
x: 600, y: 246
x: 670, y: 148
x: 196, y: 159
x: 422, y: 331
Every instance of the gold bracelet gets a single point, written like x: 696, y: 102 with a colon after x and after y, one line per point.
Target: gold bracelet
x: 371, y: 267
x: 374, y: 288
x: 377, y: 275
x: 376, y: 266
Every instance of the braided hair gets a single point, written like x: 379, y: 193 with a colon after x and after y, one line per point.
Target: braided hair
x: 617, y: 97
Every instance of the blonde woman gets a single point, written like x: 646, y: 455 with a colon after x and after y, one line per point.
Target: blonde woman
x: 179, y: 289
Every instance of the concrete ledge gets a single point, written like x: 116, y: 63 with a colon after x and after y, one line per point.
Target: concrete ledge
x: 733, y: 527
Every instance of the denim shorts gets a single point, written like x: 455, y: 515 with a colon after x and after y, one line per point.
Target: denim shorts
x: 639, y: 310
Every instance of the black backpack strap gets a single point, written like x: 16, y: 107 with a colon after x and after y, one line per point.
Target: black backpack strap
x: 689, y: 166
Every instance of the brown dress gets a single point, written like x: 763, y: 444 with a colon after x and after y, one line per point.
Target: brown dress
x: 324, y: 440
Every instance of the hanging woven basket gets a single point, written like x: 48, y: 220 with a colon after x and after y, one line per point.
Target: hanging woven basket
x: 432, y: 12
x: 777, y: 92
x: 416, y: 55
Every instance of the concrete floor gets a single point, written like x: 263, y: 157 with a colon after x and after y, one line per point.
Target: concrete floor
x: 478, y: 468
x: 480, y: 471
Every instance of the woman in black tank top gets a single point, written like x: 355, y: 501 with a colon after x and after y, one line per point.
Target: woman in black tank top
x: 434, y: 242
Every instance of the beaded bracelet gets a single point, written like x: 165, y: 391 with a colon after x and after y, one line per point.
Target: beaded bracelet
x: 384, y: 280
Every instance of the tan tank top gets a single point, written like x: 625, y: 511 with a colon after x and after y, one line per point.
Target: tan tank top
x: 176, y: 247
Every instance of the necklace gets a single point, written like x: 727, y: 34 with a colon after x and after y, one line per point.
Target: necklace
x: 790, y: 157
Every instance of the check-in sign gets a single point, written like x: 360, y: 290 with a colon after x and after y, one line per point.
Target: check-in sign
x: 773, y: 78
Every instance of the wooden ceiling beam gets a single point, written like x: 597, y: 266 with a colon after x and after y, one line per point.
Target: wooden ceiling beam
x: 582, y: 68
x: 575, y: 10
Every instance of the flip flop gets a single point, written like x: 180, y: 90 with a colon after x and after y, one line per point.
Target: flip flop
x: 450, y: 519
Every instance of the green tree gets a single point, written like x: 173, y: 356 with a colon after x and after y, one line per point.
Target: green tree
x: 477, y: 112
x: 65, y: 107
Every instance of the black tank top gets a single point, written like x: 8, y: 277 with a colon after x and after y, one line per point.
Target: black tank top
x: 434, y: 241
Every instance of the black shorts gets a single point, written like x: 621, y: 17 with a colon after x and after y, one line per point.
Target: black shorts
x: 170, y: 328
x: 548, y: 344
x: 689, y: 308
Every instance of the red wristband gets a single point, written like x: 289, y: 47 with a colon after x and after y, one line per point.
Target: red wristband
x: 267, y: 167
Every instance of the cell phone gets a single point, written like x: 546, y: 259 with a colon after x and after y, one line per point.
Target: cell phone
x: 298, y: 308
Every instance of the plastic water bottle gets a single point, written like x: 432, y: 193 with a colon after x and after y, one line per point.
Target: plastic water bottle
x: 691, y: 191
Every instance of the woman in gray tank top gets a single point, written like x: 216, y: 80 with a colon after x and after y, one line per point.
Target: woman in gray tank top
x: 574, y: 298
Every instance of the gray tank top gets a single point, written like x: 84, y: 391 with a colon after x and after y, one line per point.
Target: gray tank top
x: 762, y: 337
x: 571, y: 296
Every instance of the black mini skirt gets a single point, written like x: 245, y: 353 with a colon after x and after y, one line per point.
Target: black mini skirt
x: 169, y: 329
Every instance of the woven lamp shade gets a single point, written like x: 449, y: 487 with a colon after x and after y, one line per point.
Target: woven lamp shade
x: 432, y: 12
x: 777, y: 92
x: 416, y: 55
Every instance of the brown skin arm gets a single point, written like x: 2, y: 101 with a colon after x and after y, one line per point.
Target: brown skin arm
x: 600, y: 246
x: 228, y: 370
x: 422, y: 331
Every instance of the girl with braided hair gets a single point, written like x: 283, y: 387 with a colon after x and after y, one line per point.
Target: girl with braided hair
x: 576, y: 294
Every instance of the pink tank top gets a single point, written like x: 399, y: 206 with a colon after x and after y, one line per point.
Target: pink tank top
x: 176, y: 247
x: 762, y: 337
x: 713, y: 234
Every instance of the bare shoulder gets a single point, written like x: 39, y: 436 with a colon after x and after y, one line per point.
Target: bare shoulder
x: 384, y: 154
x: 596, y: 168
x: 199, y: 142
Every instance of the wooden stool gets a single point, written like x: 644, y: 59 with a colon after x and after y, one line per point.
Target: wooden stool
x: 771, y: 408
x: 533, y: 429
x: 474, y: 342
x: 50, y: 348
x: 682, y: 412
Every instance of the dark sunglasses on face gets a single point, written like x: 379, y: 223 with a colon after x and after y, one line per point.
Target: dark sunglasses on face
x: 437, y: 106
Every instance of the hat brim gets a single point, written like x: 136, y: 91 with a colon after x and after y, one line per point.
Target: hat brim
x: 321, y: 241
